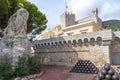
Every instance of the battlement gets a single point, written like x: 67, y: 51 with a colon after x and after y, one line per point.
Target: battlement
x: 99, y: 47
x: 99, y: 35
x: 67, y: 13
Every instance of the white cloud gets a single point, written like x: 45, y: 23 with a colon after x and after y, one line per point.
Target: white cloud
x: 81, y: 8
x: 108, y: 9
x: 78, y: 6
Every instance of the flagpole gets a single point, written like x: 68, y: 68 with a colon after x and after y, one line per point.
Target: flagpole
x: 66, y: 7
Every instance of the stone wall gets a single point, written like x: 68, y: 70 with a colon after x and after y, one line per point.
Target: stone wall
x: 93, y: 53
x: 94, y: 46
x: 115, y: 50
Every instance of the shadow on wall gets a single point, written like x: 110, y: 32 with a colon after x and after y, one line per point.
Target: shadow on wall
x: 115, y: 51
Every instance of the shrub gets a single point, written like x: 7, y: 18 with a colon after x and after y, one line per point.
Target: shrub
x: 35, y: 64
x: 21, y: 68
x: 28, y: 65
x: 25, y: 66
x: 6, y: 71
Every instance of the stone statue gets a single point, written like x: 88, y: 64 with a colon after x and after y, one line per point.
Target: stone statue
x: 17, y: 24
x: 95, y: 11
x: 15, y: 42
x: 95, y: 15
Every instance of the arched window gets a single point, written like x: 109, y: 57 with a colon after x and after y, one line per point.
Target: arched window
x: 92, y: 41
x: 41, y: 44
x: 60, y: 43
x: 44, y: 44
x: 64, y: 43
x: 52, y: 43
x: 55, y: 43
x: 48, y: 44
x: 80, y: 42
x: 38, y: 45
x: 99, y: 41
x: 116, y: 40
x: 69, y: 42
x: 74, y: 43
x: 86, y: 42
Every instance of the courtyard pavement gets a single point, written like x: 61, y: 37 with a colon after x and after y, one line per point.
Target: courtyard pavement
x: 62, y: 73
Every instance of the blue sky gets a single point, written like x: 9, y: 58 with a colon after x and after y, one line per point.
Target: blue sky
x: 108, y: 9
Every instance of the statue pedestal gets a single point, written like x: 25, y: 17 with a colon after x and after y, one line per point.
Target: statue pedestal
x: 15, y: 47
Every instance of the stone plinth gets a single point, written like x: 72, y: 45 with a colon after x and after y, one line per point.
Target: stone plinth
x: 15, y: 47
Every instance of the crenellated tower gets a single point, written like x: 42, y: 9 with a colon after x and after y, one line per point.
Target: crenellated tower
x: 67, y: 19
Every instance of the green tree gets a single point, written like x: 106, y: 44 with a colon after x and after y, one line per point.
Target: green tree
x: 4, y: 11
x: 36, y: 22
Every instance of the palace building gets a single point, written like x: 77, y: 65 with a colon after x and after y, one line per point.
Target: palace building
x: 82, y: 39
x: 69, y: 26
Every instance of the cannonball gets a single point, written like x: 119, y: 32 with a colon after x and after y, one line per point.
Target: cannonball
x: 94, y: 69
x: 104, y: 71
x: 97, y: 78
x: 100, y: 75
x: 18, y: 78
x: 107, y: 66
x: 115, y: 77
x: 24, y: 78
x: 111, y: 72
x: 96, y: 72
x: 92, y: 66
x: 108, y: 77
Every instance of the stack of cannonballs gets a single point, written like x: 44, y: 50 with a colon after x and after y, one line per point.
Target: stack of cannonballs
x: 84, y: 66
x: 107, y: 73
x: 20, y: 78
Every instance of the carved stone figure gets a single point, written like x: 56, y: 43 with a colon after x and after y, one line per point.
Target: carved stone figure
x: 95, y: 15
x: 95, y: 11
x: 17, y: 24
x: 15, y: 42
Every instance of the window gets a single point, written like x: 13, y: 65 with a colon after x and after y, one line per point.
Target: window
x: 69, y: 34
x: 83, y: 31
